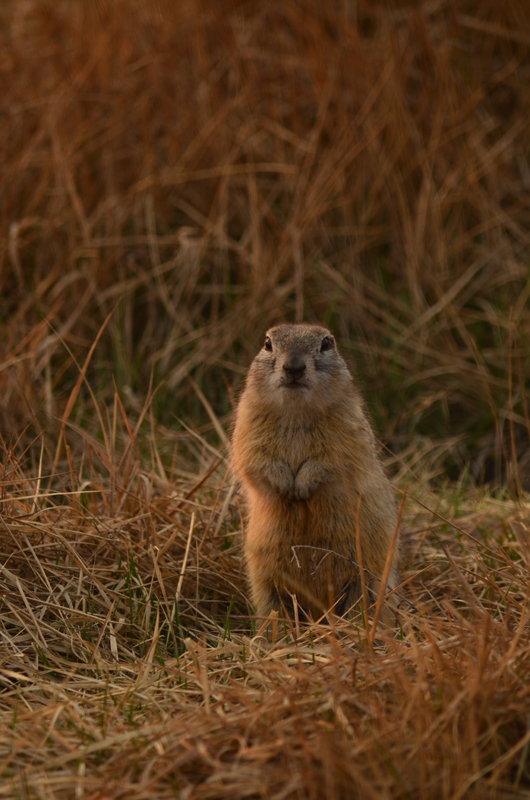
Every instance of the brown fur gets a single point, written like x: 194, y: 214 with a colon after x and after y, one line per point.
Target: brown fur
x: 306, y: 456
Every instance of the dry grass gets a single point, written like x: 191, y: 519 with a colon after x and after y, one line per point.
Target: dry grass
x: 130, y: 668
x: 176, y: 176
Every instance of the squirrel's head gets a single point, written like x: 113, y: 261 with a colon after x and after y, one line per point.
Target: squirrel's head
x: 300, y: 364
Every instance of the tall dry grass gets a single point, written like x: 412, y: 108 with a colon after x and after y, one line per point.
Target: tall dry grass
x: 206, y: 169
x: 175, y: 177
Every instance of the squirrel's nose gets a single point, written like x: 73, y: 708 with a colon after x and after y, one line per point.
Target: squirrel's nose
x: 294, y: 364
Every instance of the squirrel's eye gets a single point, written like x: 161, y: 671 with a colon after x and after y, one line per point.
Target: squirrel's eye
x: 327, y: 344
x: 268, y: 344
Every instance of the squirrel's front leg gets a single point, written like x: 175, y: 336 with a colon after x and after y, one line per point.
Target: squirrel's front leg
x: 274, y: 475
x: 283, y: 480
x: 309, y: 476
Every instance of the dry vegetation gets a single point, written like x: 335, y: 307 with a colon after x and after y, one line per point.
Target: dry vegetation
x: 130, y: 668
x: 175, y: 177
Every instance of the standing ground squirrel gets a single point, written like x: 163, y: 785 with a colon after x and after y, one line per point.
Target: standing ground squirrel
x: 306, y: 456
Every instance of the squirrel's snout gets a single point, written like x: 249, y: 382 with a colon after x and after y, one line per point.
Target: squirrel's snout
x: 294, y: 364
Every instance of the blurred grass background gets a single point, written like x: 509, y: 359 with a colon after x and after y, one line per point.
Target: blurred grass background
x: 206, y: 169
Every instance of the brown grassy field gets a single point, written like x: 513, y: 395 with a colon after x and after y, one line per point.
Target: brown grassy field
x: 176, y: 177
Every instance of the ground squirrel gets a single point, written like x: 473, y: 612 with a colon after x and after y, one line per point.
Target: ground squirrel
x: 305, y: 454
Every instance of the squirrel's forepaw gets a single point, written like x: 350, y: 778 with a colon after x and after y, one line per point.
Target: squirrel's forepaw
x: 284, y: 489
x: 303, y: 492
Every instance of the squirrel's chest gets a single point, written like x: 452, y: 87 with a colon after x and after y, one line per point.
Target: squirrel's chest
x: 294, y: 441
